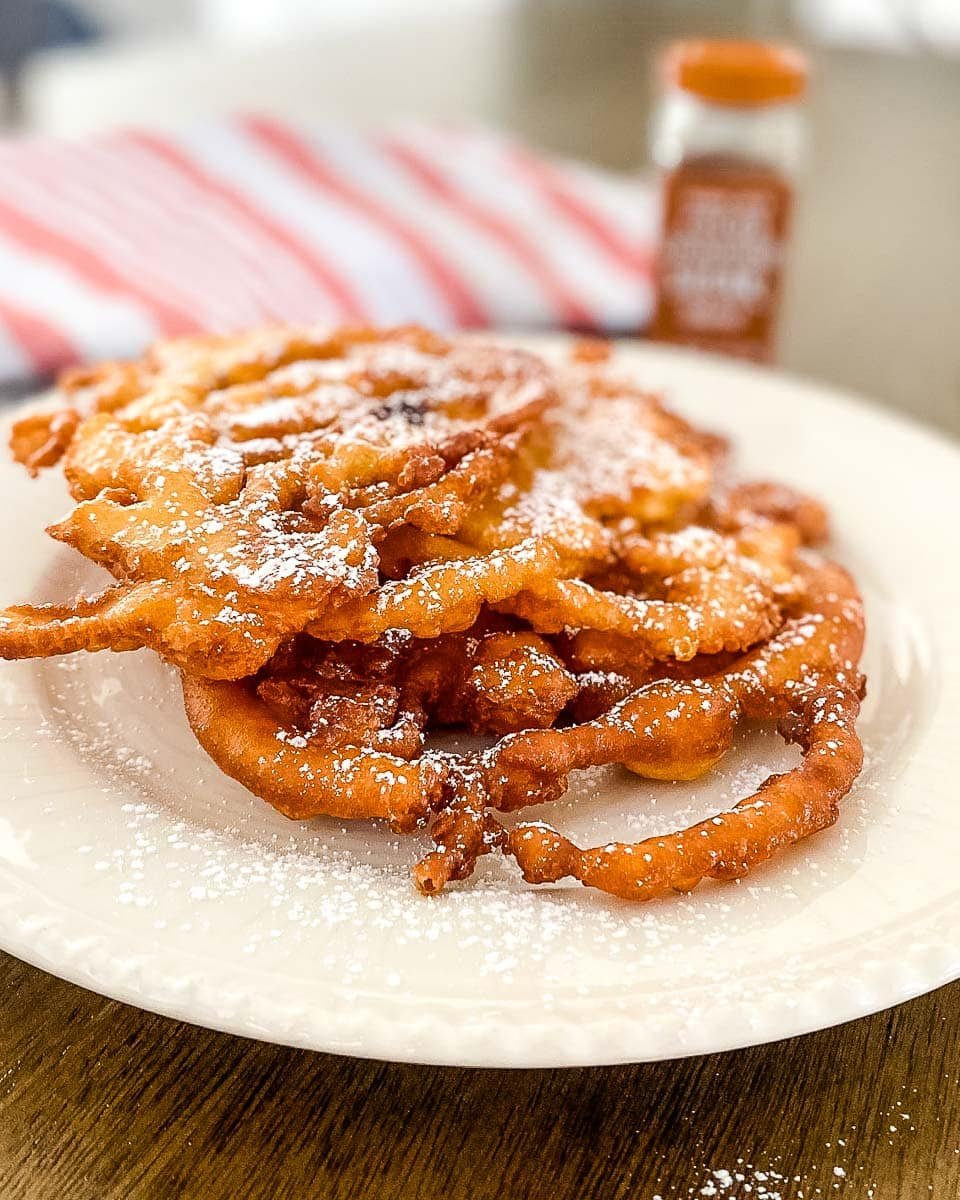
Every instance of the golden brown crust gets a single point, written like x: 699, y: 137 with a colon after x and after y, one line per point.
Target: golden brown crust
x: 349, y: 539
x: 301, y: 778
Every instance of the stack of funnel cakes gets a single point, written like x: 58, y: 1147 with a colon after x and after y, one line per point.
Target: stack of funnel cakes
x: 347, y: 541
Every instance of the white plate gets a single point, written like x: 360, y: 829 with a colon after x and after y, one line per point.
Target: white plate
x: 130, y: 865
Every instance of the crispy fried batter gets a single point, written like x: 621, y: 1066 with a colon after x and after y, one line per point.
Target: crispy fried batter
x: 323, y: 712
x: 806, y: 678
x: 744, y: 504
x: 219, y: 554
x: 302, y: 777
x: 347, y: 540
x: 440, y: 597
x: 40, y: 440
x: 784, y: 809
x: 215, y: 567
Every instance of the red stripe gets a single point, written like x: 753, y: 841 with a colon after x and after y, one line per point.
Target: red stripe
x: 338, y: 288
x: 94, y: 270
x: 557, y: 190
x: 572, y: 311
x: 103, y: 186
x: 466, y: 308
x: 47, y: 348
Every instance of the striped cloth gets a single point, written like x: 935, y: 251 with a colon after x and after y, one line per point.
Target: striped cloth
x: 109, y: 243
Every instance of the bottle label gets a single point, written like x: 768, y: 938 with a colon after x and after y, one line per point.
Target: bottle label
x: 721, y: 256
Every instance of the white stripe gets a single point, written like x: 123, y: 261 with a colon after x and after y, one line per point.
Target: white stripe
x: 630, y: 207
x: 202, y: 241
x: 97, y: 324
x: 69, y: 202
x: 501, y: 284
x: 15, y: 362
x: 388, y: 281
x: 482, y: 170
x: 284, y: 289
x: 157, y: 246
x: 486, y: 176
x: 627, y: 203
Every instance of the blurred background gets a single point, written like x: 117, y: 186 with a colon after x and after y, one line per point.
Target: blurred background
x: 873, y: 283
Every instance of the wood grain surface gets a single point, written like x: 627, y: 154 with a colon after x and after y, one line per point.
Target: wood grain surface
x: 102, y: 1101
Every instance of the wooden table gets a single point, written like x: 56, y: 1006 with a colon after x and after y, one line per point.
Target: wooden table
x: 102, y: 1101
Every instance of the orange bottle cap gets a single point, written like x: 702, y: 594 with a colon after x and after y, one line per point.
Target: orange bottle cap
x: 739, y: 74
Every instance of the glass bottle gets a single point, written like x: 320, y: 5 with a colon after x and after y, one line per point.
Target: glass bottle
x: 728, y: 138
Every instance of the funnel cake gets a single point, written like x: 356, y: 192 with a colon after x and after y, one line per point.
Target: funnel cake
x: 347, y: 541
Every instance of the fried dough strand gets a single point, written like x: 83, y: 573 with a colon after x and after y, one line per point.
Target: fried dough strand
x: 226, y: 550
x: 784, y: 809
x: 336, y: 729
x: 806, y: 678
